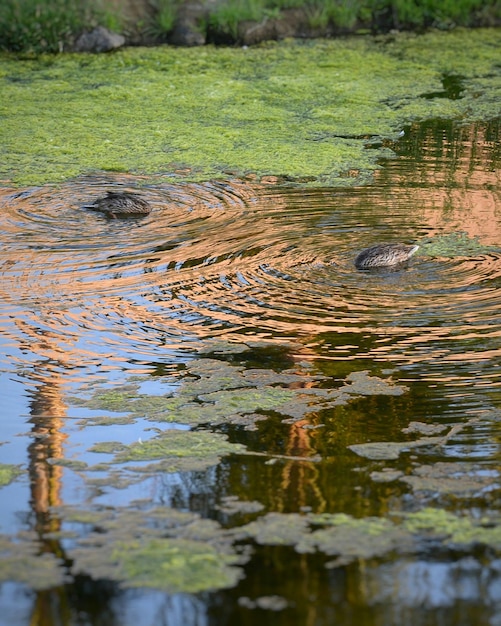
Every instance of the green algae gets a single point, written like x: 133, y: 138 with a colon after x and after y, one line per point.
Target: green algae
x: 361, y: 384
x: 268, y: 603
x: 457, y: 529
x: 214, y: 392
x: 159, y: 548
x: 390, y: 450
x: 22, y: 562
x: 278, y: 529
x: 451, y: 478
x: 175, y: 565
x: 301, y: 110
x: 457, y: 244
x: 365, y: 538
x: 8, y: 473
x: 179, y: 444
x: 232, y: 505
x: 179, y: 551
x: 108, y: 447
x: 358, y: 539
x: 73, y: 464
x: 342, y: 535
x: 105, y: 420
x: 117, y: 399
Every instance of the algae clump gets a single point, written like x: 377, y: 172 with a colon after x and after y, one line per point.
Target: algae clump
x: 8, y: 473
x: 175, y: 565
x: 160, y: 548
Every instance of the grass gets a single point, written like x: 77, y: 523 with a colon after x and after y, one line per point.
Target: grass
x: 164, y: 17
x: 52, y: 25
x: 49, y: 25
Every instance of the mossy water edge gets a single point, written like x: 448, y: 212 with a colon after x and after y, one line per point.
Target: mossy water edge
x: 301, y: 110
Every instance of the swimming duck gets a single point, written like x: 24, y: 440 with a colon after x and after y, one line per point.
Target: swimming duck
x: 121, y: 204
x: 384, y: 255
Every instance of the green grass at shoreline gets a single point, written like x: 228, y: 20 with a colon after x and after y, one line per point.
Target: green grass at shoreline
x: 296, y: 109
x: 54, y: 25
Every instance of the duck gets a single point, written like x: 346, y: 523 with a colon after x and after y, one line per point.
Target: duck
x: 121, y: 204
x: 385, y: 255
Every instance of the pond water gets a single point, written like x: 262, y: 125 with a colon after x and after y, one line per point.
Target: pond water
x: 189, y: 398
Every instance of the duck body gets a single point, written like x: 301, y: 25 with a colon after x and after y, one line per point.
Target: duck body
x: 385, y: 255
x: 121, y: 204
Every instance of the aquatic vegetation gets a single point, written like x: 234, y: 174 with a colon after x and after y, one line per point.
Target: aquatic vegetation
x: 179, y: 551
x: 231, y: 505
x: 352, y: 538
x: 451, y: 478
x: 457, y: 529
x: 457, y: 244
x: 8, y: 473
x: 298, y: 110
x: 174, y: 565
x: 159, y: 548
x: 22, y: 562
x: 390, y: 450
x: 179, y: 444
x: 215, y: 392
x: 361, y: 383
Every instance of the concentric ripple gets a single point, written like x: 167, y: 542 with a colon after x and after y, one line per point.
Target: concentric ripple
x: 237, y: 259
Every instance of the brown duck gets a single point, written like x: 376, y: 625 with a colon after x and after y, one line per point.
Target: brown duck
x: 121, y: 204
x: 384, y: 255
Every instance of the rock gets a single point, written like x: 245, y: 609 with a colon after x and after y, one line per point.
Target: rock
x: 188, y: 29
x: 98, y: 40
x: 289, y: 23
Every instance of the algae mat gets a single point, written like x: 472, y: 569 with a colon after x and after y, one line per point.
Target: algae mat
x: 304, y: 111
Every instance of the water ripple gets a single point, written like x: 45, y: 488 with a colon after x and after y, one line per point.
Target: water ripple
x: 233, y: 258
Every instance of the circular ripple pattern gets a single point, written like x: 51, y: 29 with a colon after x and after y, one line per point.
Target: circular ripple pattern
x: 237, y: 260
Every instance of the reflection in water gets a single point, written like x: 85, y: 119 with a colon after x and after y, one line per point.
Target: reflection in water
x: 85, y: 297
x: 232, y: 259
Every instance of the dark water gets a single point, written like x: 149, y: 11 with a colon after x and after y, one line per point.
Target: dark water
x: 89, y: 301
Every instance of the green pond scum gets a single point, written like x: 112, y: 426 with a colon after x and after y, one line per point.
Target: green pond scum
x: 452, y: 245
x: 304, y: 110
x: 8, y: 473
x: 178, y: 551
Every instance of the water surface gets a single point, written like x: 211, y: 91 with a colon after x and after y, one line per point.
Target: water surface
x: 260, y: 278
